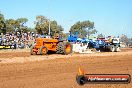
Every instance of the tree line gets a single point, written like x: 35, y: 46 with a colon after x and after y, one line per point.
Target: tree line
x: 84, y: 28
x: 42, y: 23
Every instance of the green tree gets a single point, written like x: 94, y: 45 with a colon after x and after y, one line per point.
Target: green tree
x: 21, y: 24
x: 65, y: 35
x: 84, y: 28
x: 55, y: 28
x: 22, y: 21
x: 2, y: 24
x: 16, y: 25
x: 100, y: 36
x: 12, y: 25
x: 130, y: 41
x: 31, y: 30
x: 124, y: 38
x: 42, y: 26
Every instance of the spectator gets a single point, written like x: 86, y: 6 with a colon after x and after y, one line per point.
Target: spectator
x: 20, y: 40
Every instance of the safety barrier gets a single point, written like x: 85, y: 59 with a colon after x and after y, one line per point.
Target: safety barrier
x: 7, y: 46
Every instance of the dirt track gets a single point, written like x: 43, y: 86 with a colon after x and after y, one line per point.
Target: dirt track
x: 20, y: 70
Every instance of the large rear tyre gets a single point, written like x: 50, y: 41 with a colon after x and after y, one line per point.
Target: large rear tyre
x: 67, y: 48
x: 112, y: 48
x: 31, y: 51
x: 64, y: 48
x: 60, y: 47
x: 43, y: 50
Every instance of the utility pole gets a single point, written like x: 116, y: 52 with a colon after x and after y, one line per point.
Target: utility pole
x: 49, y: 27
x: 49, y: 17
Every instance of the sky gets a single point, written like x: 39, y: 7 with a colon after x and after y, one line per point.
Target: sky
x: 111, y: 17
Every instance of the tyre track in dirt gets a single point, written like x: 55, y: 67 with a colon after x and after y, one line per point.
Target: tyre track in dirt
x: 22, y: 57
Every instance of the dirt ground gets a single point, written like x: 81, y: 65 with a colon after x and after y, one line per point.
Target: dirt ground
x: 18, y: 69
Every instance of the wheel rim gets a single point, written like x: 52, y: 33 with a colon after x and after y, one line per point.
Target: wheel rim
x: 44, y: 50
x: 68, y: 48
